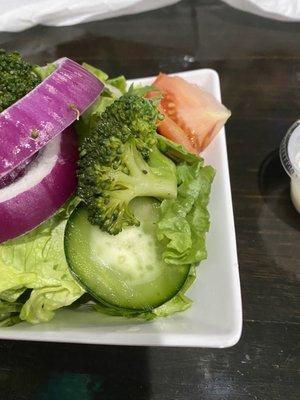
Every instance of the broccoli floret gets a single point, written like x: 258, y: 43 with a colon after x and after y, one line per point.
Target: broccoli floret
x: 17, y: 78
x: 120, y: 160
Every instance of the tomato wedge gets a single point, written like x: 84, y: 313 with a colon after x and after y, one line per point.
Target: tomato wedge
x: 168, y: 128
x: 193, y: 117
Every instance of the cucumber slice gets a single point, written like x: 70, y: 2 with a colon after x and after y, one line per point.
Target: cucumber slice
x: 125, y: 270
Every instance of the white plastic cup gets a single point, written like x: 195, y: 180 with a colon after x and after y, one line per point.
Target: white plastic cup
x: 290, y: 158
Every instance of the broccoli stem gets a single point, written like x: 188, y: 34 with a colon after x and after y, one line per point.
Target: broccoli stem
x: 144, y: 180
x: 143, y: 185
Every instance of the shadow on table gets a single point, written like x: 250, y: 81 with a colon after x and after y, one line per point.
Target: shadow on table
x: 45, y: 371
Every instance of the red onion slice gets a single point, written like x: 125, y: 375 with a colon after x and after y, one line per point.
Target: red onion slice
x: 46, y: 185
x: 17, y: 172
x: 30, y: 123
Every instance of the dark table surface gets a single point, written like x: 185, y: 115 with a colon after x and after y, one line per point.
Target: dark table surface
x: 259, y: 64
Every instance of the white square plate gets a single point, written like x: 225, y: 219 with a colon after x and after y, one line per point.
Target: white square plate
x: 215, y: 318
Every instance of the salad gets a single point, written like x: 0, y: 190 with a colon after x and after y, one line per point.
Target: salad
x: 103, y: 194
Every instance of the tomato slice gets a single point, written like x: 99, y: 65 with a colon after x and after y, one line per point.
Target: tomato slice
x: 168, y: 128
x: 197, y: 114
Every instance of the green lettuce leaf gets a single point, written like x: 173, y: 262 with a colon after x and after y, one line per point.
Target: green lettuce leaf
x: 185, y: 220
x: 142, y: 90
x: 175, y: 151
x: 45, y: 71
x: 9, y: 313
x: 114, y: 84
x: 37, y: 261
x: 114, y: 88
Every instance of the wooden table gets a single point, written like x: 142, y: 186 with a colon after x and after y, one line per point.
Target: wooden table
x: 259, y: 64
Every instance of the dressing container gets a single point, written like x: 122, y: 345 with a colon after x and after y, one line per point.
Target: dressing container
x: 290, y: 159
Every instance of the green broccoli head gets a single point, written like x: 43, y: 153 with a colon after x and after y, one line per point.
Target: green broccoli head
x: 120, y: 160
x: 17, y: 78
